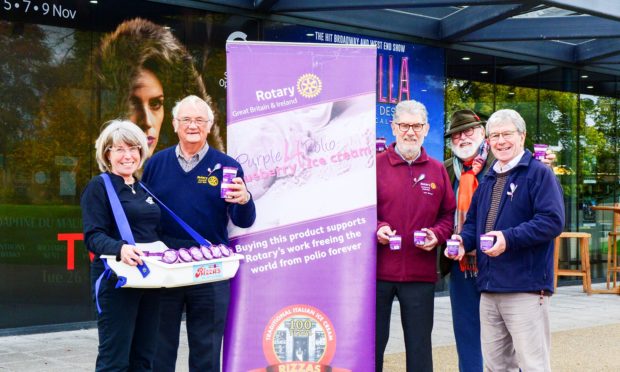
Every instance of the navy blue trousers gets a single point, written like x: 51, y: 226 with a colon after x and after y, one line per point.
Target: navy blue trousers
x: 206, y: 306
x: 417, y: 303
x: 465, y: 301
x: 127, y: 327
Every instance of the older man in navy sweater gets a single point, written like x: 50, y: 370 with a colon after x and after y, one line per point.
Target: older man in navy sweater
x: 520, y: 204
x: 187, y: 178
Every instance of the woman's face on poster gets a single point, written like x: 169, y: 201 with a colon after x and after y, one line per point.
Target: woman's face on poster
x: 147, y: 106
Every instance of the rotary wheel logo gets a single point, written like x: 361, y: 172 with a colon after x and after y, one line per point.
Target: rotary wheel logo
x: 309, y: 85
x: 299, y: 335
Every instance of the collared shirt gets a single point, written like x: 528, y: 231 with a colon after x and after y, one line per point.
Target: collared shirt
x: 511, y: 164
x: 188, y: 165
x: 401, y: 155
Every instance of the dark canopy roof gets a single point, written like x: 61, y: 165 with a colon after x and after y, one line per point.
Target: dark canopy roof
x: 584, y: 34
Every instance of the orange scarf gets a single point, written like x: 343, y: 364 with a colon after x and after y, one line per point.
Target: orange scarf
x: 468, y: 183
x: 467, y: 186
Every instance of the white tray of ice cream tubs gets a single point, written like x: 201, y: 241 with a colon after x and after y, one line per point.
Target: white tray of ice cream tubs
x: 165, y: 275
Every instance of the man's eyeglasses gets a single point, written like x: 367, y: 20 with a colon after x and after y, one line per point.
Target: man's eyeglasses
x: 198, y: 121
x: 123, y: 150
x: 467, y: 133
x: 508, y: 135
x: 404, y: 127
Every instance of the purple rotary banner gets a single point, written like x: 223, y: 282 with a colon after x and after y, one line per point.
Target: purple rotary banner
x: 301, y: 122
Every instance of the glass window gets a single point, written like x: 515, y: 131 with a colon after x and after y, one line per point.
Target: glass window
x: 53, y: 105
x: 598, y: 172
x: 558, y: 129
x: 525, y: 102
x: 46, y: 141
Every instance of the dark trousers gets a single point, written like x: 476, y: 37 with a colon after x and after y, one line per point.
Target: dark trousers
x: 127, y: 327
x: 417, y: 303
x: 205, y: 306
x: 465, y: 301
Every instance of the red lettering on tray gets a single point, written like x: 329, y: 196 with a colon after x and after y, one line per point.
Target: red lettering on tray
x: 207, y: 271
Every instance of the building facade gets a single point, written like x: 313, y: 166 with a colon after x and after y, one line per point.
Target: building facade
x: 52, y: 107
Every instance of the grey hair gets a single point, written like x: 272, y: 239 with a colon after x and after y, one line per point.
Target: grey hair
x: 117, y: 132
x: 410, y: 107
x: 194, y: 100
x: 500, y: 116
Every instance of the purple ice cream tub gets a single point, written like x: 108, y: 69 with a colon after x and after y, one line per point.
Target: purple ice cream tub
x: 216, y: 251
x: 486, y: 242
x: 228, y: 173
x: 170, y: 256
x: 452, y: 246
x: 196, y: 254
x: 381, y: 144
x: 184, y: 255
x: 395, y: 242
x: 419, y: 237
x: 226, y: 252
x: 206, y: 252
x: 540, y: 151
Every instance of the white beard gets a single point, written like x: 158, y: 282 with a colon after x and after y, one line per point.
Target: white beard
x: 409, y: 151
x: 466, y: 152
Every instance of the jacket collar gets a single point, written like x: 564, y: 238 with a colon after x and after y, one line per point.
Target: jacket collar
x: 396, y: 159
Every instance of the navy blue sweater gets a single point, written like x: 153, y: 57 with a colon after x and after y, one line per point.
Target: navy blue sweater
x: 195, y: 195
x: 101, y: 234
x: 529, y: 220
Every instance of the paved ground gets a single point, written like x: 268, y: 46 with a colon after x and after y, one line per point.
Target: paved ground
x: 585, y: 337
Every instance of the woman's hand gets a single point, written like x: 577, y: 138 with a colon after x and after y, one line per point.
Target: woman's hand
x: 130, y: 254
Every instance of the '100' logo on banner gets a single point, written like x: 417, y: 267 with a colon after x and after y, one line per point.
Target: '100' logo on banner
x: 207, y: 271
x: 299, y: 338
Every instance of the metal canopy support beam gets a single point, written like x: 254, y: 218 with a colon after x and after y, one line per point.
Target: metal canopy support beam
x: 474, y: 18
x: 539, y: 49
x: 314, y: 5
x: 521, y: 75
x: 613, y: 69
x: 609, y: 60
x: 600, y: 8
x: 264, y: 5
x: 581, y: 27
x: 406, y: 24
x: 596, y: 49
x: 211, y: 4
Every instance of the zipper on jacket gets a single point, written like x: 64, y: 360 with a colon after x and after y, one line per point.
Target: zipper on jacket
x: 403, y: 262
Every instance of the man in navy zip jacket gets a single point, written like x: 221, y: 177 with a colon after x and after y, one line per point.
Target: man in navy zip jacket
x: 520, y: 204
x: 187, y: 178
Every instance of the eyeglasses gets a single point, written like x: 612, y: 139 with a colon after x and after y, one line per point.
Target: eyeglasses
x: 123, y: 150
x: 199, y: 121
x: 404, y: 127
x: 508, y: 135
x: 467, y: 133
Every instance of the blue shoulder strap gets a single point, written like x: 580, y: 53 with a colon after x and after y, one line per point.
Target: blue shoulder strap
x: 194, y: 234
x: 117, y: 209
x: 121, y: 220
